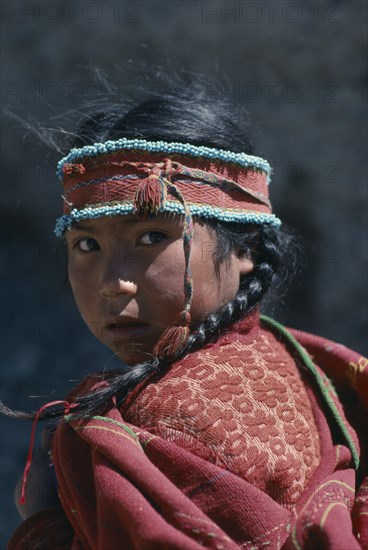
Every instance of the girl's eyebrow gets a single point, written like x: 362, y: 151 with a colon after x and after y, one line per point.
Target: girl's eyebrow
x: 92, y: 228
x: 82, y: 227
x: 129, y: 221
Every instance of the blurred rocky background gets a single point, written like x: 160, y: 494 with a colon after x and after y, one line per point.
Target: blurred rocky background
x: 298, y: 67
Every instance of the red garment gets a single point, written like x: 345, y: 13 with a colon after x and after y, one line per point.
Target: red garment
x: 171, y: 480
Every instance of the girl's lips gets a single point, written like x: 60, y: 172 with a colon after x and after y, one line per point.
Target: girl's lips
x: 127, y: 330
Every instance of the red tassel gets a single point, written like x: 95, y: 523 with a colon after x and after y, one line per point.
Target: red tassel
x: 150, y: 195
x: 171, y: 341
x: 67, y: 406
x: 174, y: 338
x: 73, y: 169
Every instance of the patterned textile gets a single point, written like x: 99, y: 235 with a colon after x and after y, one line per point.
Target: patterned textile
x: 124, y: 182
x: 172, y: 469
x: 115, y: 177
x: 240, y: 404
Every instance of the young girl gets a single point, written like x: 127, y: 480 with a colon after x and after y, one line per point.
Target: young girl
x: 222, y: 429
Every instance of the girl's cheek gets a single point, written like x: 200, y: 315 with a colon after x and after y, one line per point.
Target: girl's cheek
x: 84, y: 291
x: 163, y: 287
x: 83, y: 271
x: 212, y: 292
x: 165, y: 284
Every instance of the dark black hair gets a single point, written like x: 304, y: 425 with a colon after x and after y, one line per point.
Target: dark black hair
x: 188, y: 116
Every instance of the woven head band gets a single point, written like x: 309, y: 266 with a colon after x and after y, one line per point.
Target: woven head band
x: 146, y: 178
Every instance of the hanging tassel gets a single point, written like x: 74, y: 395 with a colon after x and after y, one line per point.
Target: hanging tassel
x: 174, y: 338
x: 150, y: 195
x: 67, y: 407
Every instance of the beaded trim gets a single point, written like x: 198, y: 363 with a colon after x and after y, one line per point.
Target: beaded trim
x: 242, y: 159
x: 92, y: 212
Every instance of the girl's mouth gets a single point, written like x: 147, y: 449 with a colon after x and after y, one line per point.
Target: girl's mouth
x: 117, y: 325
x: 127, y: 329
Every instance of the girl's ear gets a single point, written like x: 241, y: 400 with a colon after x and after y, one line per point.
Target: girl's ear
x: 244, y: 261
x: 245, y: 264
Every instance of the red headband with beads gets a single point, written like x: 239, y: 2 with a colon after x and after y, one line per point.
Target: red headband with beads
x: 135, y: 176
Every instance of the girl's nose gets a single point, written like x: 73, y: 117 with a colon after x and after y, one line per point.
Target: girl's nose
x: 115, y: 286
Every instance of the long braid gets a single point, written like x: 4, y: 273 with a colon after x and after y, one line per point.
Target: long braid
x: 273, y: 246
x: 252, y: 289
x: 273, y: 255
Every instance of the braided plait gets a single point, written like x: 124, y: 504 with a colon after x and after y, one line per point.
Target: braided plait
x: 268, y: 260
x: 273, y: 252
x: 270, y: 246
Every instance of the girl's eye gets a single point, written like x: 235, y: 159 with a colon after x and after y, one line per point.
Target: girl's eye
x: 151, y: 237
x: 87, y: 245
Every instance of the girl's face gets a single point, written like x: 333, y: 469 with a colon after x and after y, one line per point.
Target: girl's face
x: 127, y: 278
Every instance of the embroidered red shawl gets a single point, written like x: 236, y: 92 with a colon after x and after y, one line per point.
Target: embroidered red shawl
x: 243, y: 444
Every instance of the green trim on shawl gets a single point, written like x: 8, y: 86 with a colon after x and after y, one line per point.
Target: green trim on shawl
x: 70, y: 417
x: 281, y: 330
